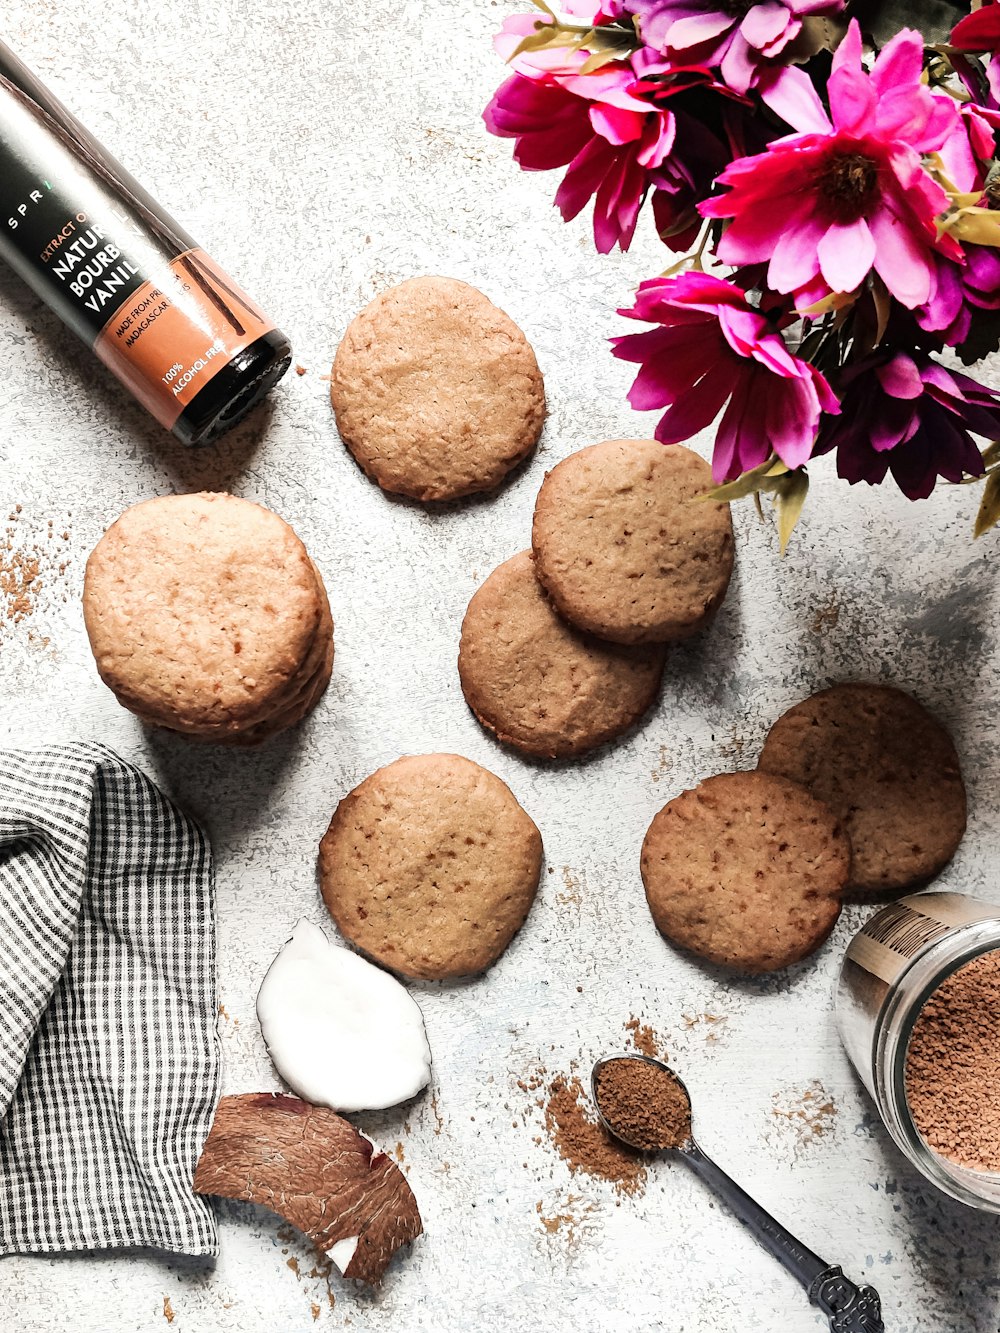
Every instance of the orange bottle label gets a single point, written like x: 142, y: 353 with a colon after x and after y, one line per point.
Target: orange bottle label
x: 172, y: 335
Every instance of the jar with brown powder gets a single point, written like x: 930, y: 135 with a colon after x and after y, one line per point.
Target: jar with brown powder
x: 918, y: 1008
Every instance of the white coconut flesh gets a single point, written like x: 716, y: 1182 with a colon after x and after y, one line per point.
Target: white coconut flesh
x: 341, y: 1032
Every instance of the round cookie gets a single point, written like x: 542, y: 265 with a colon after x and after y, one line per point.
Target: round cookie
x: 292, y: 716
x: 201, y: 608
x: 888, y: 769
x: 746, y: 870
x: 623, y: 546
x: 302, y: 694
x: 436, y: 392
x: 430, y: 866
x: 541, y: 685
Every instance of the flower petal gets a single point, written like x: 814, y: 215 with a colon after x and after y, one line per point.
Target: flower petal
x: 762, y: 24
x: 902, y: 264
x: 846, y: 254
x: 791, y: 94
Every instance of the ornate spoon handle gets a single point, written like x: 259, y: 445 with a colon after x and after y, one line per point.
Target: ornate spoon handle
x: 850, y: 1309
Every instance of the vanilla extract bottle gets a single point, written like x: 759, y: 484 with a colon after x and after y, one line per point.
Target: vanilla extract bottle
x: 178, y: 332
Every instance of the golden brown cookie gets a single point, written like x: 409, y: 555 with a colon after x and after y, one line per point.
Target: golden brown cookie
x: 746, y: 870
x: 303, y: 692
x: 291, y: 717
x: 541, y: 685
x: 430, y: 866
x: 437, y: 393
x: 888, y: 769
x: 203, y: 610
x: 623, y: 546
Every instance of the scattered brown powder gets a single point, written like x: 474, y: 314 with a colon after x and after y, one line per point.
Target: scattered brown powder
x: 826, y: 617
x: 31, y: 562
x: 663, y: 764
x: 168, y: 1310
x: 953, y: 1066
x: 809, y: 1115
x: 316, y: 1310
x: 713, y: 1024
x: 583, y: 1143
x: 19, y: 582
x: 643, y: 1038
x: 570, y: 894
x: 646, y: 1104
x: 568, y: 1226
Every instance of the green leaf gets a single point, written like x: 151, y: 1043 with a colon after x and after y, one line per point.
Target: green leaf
x: 989, y: 506
x: 749, y: 484
x: 598, y: 60
x: 789, y: 501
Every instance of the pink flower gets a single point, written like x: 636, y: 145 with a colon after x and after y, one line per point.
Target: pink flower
x: 960, y: 291
x: 968, y: 152
x: 849, y: 193
x: 617, y: 135
x: 739, y: 39
x: 713, y: 348
x: 980, y: 32
x: 610, y: 141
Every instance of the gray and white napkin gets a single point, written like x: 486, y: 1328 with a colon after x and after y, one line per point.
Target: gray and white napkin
x: 109, y: 1058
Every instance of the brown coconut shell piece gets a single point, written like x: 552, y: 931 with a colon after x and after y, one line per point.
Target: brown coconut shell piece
x: 312, y: 1167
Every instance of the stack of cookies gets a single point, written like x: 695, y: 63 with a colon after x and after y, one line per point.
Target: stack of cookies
x: 206, y: 616
x: 563, y: 647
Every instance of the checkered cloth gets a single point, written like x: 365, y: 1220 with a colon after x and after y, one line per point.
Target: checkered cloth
x: 109, y: 1059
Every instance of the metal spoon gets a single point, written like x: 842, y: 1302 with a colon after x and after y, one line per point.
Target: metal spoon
x: 850, y: 1309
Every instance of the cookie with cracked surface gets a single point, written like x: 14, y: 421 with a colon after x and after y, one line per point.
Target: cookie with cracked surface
x: 746, y: 870
x: 436, y: 392
x: 625, y: 548
x: 430, y: 866
x: 888, y: 768
x: 202, y: 609
x: 539, y: 684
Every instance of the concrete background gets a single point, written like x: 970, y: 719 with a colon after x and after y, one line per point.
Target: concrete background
x: 321, y: 152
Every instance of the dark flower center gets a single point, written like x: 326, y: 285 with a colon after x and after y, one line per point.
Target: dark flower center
x: 848, y: 185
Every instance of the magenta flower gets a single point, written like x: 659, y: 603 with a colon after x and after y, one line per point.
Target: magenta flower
x: 849, y: 193
x: 610, y: 141
x: 968, y: 152
x: 980, y: 32
x: 712, y: 348
x: 616, y: 132
x: 740, y: 39
x: 905, y: 414
x: 961, y: 289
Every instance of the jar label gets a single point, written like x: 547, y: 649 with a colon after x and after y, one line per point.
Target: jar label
x: 897, y: 934
x: 175, y: 332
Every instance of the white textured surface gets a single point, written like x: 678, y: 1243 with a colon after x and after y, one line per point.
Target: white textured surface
x: 322, y: 151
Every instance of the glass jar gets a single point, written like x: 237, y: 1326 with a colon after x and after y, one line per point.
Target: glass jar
x: 894, y: 963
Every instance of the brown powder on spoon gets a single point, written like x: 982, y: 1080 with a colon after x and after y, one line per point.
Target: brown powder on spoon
x: 644, y: 1103
x: 953, y: 1066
